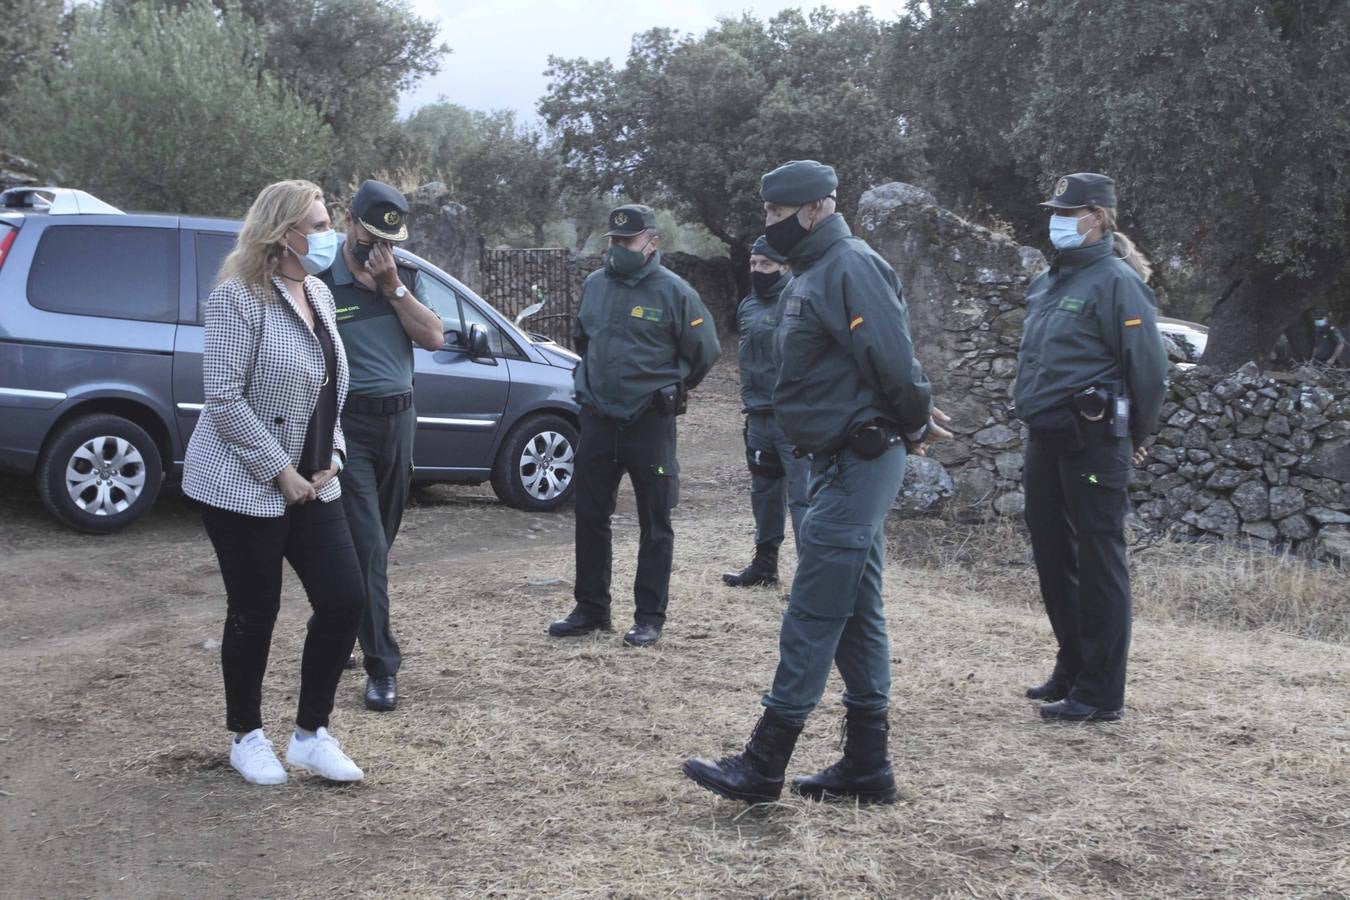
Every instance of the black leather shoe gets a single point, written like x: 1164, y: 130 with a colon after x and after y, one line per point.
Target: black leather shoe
x: 642, y: 635
x: 756, y: 775
x: 1070, y: 710
x: 382, y: 693
x: 578, y: 623
x: 751, y: 576
x: 1049, y: 692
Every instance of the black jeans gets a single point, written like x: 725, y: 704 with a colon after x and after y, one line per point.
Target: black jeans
x: 645, y: 449
x: 1075, y: 509
x: 313, y: 537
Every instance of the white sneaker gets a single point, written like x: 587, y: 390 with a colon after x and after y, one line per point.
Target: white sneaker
x: 252, y: 756
x: 322, y: 756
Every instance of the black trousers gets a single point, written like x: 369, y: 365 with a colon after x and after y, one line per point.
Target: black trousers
x: 1076, y: 503
x: 313, y: 537
x: 645, y: 449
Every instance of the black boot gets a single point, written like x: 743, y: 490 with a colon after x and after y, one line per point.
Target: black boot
x: 755, y: 776
x: 864, y: 774
x: 763, y: 569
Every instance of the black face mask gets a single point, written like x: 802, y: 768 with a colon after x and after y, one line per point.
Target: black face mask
x: 361, y: 252
x: 784, y: 236
x: 765, y: 282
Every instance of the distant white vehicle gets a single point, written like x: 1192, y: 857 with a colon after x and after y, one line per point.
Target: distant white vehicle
x: 1188, y: 337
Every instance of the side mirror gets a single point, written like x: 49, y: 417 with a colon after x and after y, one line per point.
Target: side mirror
x: 453, y: 340
x: 478, y: 343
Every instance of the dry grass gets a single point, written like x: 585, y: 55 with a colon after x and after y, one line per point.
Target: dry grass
x: 518, y: 766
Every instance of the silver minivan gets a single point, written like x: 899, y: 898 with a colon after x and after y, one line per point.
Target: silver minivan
x: 100, y: 365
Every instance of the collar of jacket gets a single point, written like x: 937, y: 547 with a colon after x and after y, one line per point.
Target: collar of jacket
x: 647, y: 268
x: 772, y: 295
x: 824, y: 236
x: 1067, y: 261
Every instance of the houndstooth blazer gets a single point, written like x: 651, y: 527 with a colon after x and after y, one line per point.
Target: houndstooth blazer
x: 262, y: 368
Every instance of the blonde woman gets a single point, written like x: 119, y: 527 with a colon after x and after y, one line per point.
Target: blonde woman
x: 1091, y: 378
x: 264, y: 460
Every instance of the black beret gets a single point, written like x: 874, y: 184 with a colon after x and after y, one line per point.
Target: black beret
x: 798, y: 182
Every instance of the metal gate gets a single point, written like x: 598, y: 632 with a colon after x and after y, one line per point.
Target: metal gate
x: 514, y: 279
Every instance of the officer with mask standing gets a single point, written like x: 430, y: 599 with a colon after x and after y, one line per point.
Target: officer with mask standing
x: 778, y: 478
x: 645, y: 340
x: 380, y: 319
x: 1091, y: 379
x: 849, y: 393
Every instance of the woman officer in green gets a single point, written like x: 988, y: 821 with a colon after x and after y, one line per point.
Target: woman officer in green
x: 1091, y: 377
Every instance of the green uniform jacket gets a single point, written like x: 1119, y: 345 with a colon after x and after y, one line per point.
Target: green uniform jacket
x: 637, y: 335
x: 843, y: 344
x: 1089, y: 318
x: 757, y: 320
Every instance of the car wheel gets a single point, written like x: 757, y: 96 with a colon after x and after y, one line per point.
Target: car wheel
x: 99, y: 473
x: 535, y: 465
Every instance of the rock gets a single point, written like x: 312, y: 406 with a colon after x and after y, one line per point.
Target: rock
x: 1227, y: 479
x: 1009, y: 464
x: 1165, y: 455
x: 995, y: 436
x: 1003, y: 367
x: 1228, y: 389
x: 1285, y: 501
x: 926, y: 485
x: 1315, y: 398
x: 974, y: 486
x: 1182, y: 418
x: 1252, y: 501
x: 1249, y: 374
x: 1197, y: 438
x: 1219, y: 517
x: 1013, y: 503
x: 15, y: 171
x: 1296, y: 528
x: 1209, y: 404
x: 1330, y: 460
x: 1335, y: 542
x: 1264, y: 530
x: 1243, y: 452
x: 1323, y: 516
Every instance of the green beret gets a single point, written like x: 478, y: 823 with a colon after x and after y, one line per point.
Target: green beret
x: 798, y: 182
x: 761, y: 248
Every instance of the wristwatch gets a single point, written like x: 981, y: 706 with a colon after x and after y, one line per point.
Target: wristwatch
x: 400, y: 292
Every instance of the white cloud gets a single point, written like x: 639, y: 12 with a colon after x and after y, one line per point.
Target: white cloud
x: 501, y: 48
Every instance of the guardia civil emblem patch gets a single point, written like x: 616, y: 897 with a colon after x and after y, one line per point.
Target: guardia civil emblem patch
x: 1061, y: 186
x: 391, y: 217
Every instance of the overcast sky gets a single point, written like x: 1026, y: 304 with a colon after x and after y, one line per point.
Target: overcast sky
x: 502, y: 47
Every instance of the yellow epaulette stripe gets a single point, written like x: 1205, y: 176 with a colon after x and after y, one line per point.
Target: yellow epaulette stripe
x: 1131, y: 322
x: 855, y: 323
x: 696, y: 322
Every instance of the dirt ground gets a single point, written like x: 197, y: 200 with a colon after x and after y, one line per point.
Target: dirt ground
x: 518, y: 765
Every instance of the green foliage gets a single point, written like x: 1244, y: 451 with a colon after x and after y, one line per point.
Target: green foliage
x: 505, y: 173
x: 166, y: 110
x: 31, y: 34
x: 692, y: 123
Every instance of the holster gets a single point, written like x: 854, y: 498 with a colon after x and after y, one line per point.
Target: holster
x: 871, y: 439
x: 671, y: 400
x: 1060, y: 425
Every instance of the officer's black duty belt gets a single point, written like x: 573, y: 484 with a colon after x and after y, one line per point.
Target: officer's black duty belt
x: 378, y: 406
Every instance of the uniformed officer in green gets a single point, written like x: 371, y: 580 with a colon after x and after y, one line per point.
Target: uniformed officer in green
x: 849, y: 393
x: 1091, y: 377
x: 380, y: 319
x: 645, y: 340
x: 778, y: 477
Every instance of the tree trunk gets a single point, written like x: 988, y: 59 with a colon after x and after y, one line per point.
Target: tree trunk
x: 739, y: 252
x: 1246, y: 321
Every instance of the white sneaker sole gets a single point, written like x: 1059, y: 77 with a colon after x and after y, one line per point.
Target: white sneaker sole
x: 265, y: 780
x: 348, y: 779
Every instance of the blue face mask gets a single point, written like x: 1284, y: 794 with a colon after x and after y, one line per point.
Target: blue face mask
x: 323, y: 247
x: 1064, y: 232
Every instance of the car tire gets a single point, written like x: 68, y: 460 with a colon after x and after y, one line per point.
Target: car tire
x: 536, y: 463
x: 99, y: 473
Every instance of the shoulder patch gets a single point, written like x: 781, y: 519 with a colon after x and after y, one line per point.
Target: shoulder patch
x: 698, y: 321
x: 792, y: 306
x: 1130, y: 323
x: 857, y: 320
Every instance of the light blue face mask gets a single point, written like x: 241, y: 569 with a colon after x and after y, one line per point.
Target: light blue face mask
x: 1064, y: 232
x: 323, y: 247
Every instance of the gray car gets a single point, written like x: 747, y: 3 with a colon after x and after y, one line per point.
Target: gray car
x: 100, y: 365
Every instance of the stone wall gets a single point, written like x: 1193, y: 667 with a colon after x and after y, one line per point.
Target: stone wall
x: 1265, y: 457
x: 442, y: 232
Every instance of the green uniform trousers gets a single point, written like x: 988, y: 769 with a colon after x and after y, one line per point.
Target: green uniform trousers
x: 835, y: 613
x: 773, y: 497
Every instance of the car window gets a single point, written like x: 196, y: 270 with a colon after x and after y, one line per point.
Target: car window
x: 497, y: 342
x: 212, y: 249
x: 442, y: 300
x: 115, y: 272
